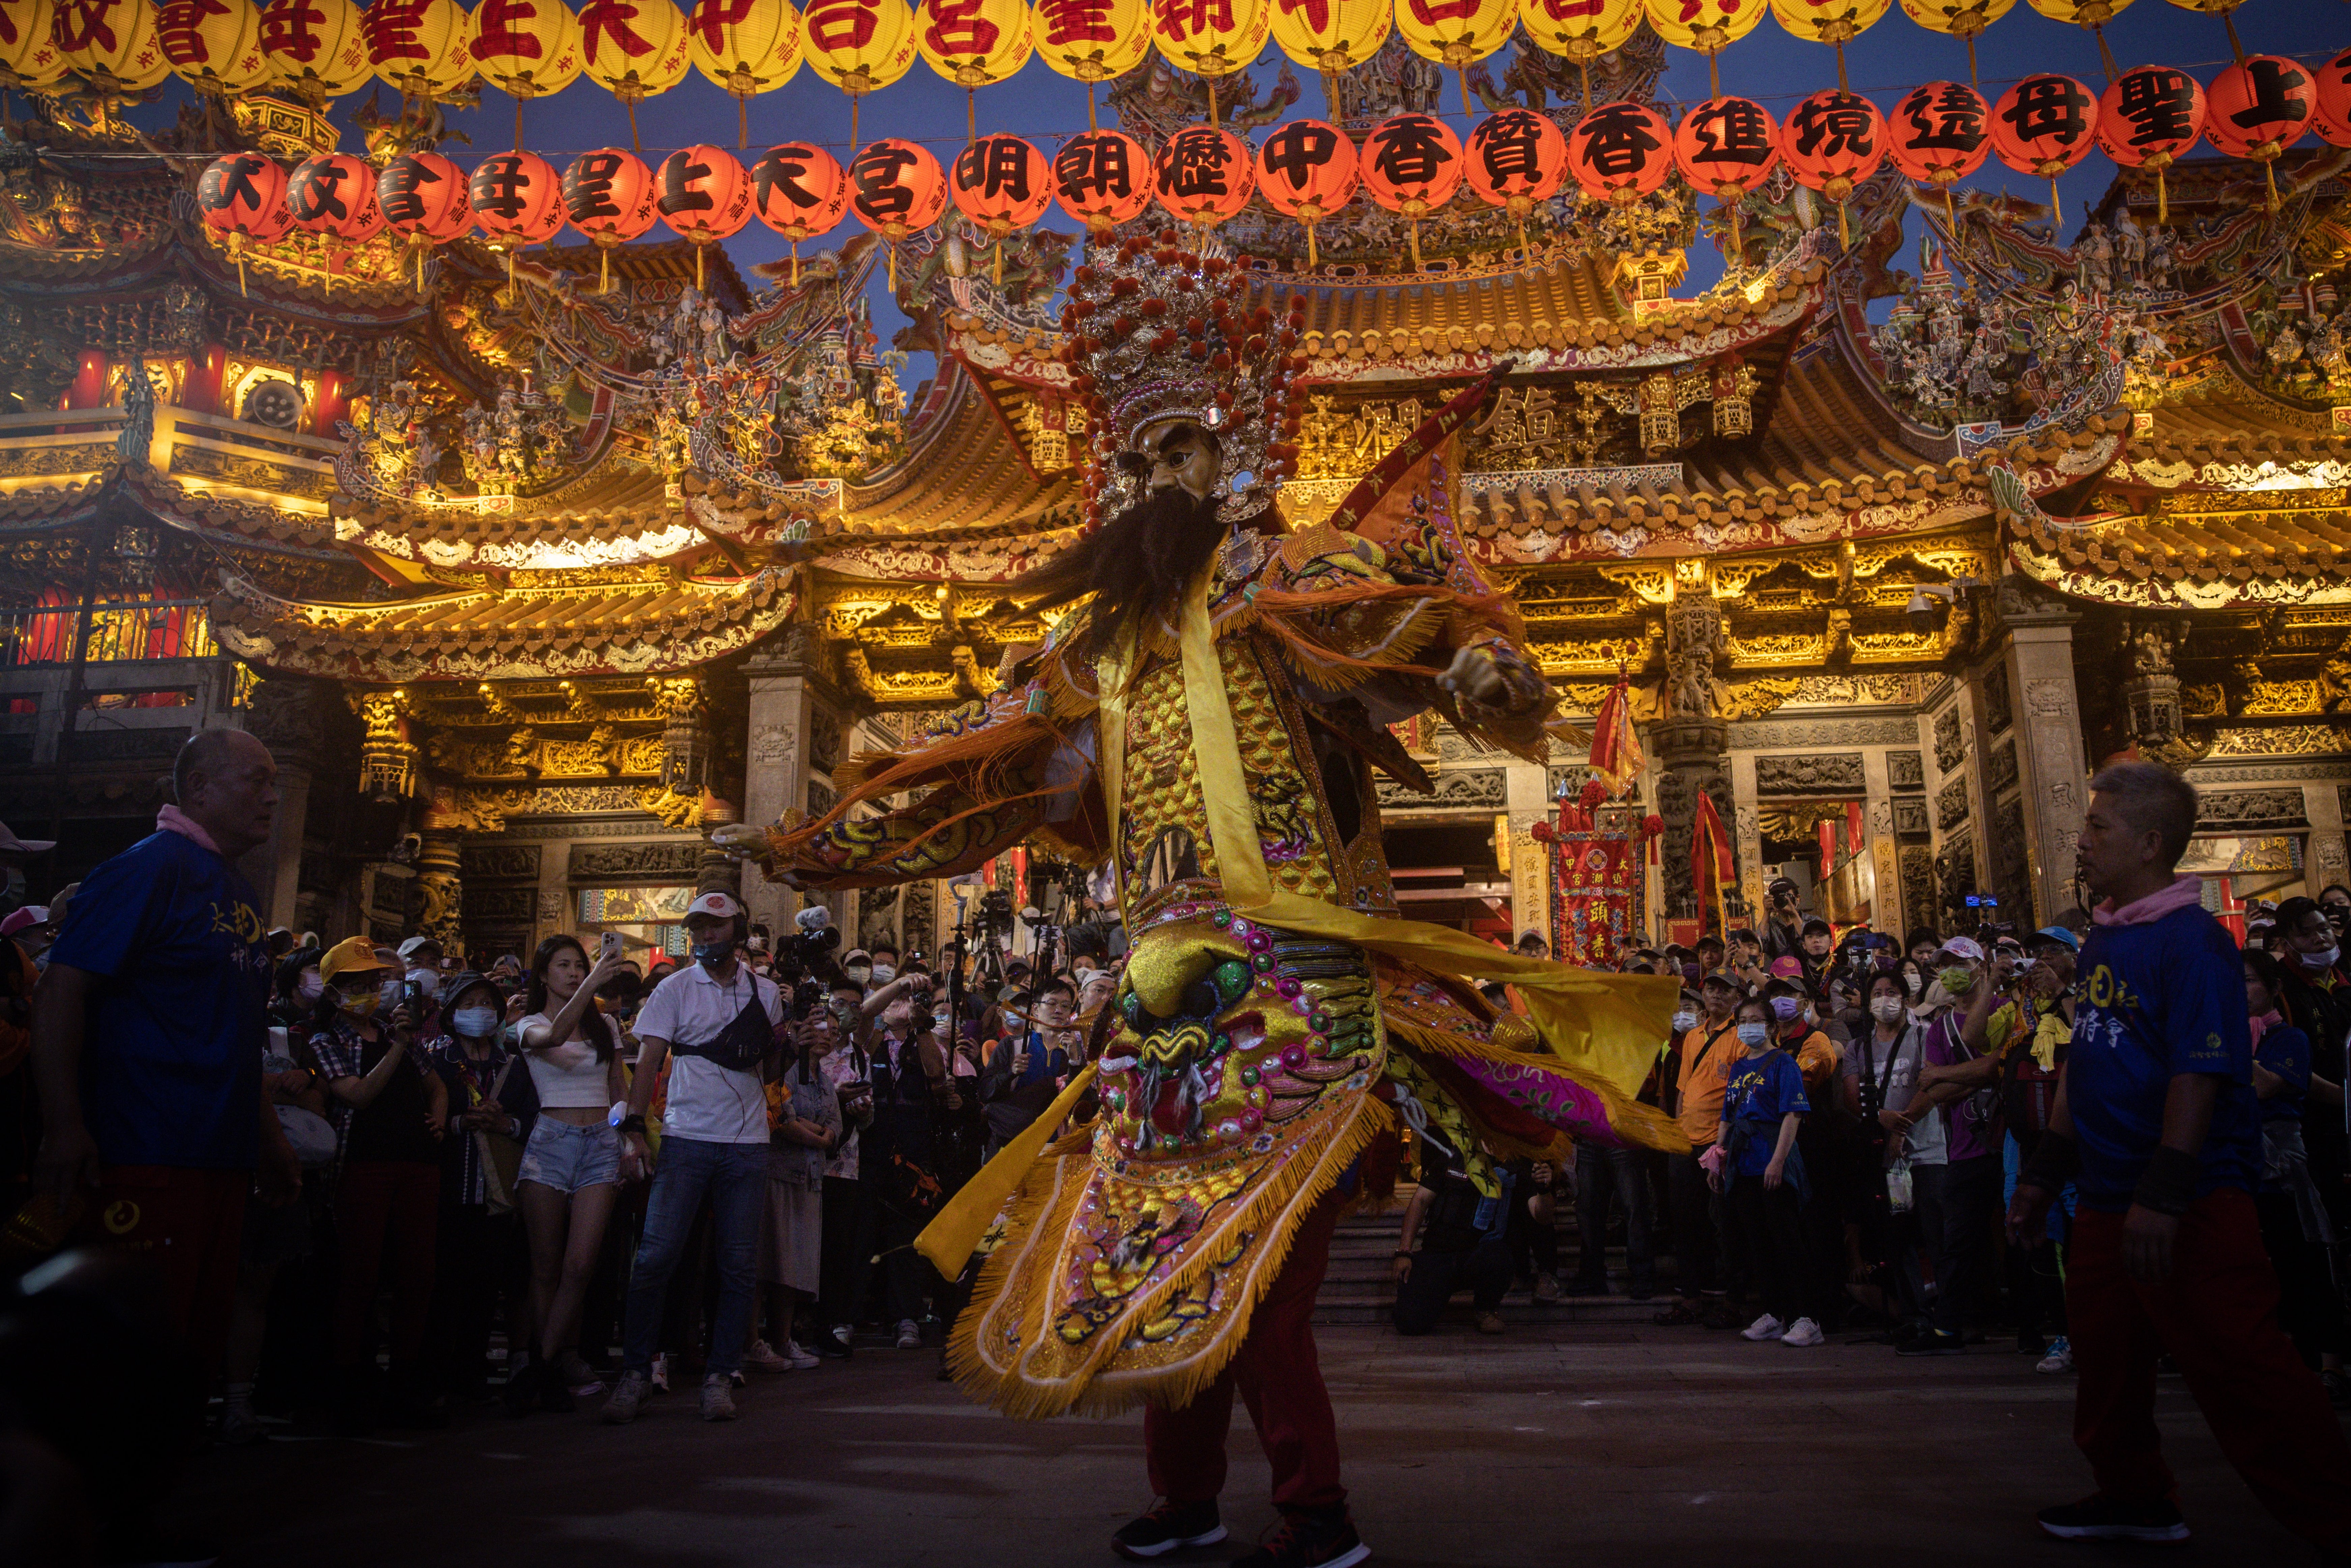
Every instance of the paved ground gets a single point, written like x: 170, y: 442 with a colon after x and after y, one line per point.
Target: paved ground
x: 1583, y: 1444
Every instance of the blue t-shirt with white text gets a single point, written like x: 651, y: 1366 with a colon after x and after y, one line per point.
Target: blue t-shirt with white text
x: 1763, y: 1089
x: 2159, y: 1000
x: 170, y: 1056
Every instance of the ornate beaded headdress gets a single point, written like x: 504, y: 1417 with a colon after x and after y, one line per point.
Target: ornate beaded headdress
x: 1155, y: 331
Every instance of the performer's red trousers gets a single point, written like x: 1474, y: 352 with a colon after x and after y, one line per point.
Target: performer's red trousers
x: 2216, y: 1314
x: 1279, y: 1379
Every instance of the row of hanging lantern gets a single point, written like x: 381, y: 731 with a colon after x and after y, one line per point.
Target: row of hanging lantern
x: 1410, y: 164
x: 638, y: 49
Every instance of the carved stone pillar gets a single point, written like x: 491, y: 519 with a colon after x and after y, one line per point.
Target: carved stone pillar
x: 794, y: 725
x: 1692, y: 757
x: 2151, y: 691
x: 436, y: 898
x: 2052, y: 776
x: 283, y: 715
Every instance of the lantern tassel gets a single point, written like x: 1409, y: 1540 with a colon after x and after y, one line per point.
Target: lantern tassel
x: 698, y: 267
x: 2162, y: 198
x: 1090, y: 126
x: 604, y: 269
x: 1330, y: 94
x: 2269, y: 174
x: 1841, y: 81
x: 510, y: 277
x: 971, y: 114
x: 1713, y: 75
x: 1738, y: 236
x: 634, y: 145
x: 1415, y: 245
x: 795, y: 264
x: 893, y: 268
x: 2057, y: 208
x: 1584, y: 66
x: 236, y: 253
x: 1526, y: 250
x: 1212, y: 120
x: 1468, y: 108
x: 2106, y: 54
x: 1844, y: 228
x: 995, y: 275
x: 2235, y: 48
x: 853, y: 125
x: 1971, y: 59
x: 1950, y: 215
x: 518, y: 125
x: 743, y: 119
x: 1312, y: 260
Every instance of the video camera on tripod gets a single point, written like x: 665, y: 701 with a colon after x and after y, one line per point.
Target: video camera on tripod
x: 807, y: 951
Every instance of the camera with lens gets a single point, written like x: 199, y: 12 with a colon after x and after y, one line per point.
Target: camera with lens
x: 809, y: 998
x: 996, y: 913
x: 809, y: 950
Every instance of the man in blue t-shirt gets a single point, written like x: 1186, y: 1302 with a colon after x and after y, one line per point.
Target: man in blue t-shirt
x: 2157, y: 1125
x: 148, y: 1033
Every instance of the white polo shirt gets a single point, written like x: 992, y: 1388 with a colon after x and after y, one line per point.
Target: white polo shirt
x: 707, y: 1102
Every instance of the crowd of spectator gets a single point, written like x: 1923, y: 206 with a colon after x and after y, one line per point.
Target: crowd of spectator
x: 388, y: 1182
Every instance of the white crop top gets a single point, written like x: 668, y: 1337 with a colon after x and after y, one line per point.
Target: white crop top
x: 567, y: 1077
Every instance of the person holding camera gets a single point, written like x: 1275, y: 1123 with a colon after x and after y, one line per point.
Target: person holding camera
x: 390, y: 1111
x: 1038, y: 1051
x: 572, y: 1168
x: 713, y: 1022
x: 898, y: 1163
x: 1783, y: 935
x: 850, y: 1223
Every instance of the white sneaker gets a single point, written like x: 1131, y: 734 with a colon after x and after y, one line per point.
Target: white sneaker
x: 1763, y: 1328
x: 801, y: 1360
x: 764, y: 1357
x: 910, y: 1334
x: 659, y: 1378
x: 2060, y: 1358
x: 1803, y: 1333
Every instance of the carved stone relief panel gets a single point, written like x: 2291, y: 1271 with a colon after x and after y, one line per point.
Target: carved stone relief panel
x: 1905, y: 770
x: 2001, y: 771
x: 1998, y: 714
x: 1952, y: 805
x: 824, y: 740
x: 1911, y: 819
x: 1949, y: 747
x: 507, y: 903
x: 1765, y: 735
x: 819, y: 797
x: 1809, y: 774
x: 493, y: 861
x: 2220, y: 809
x: 1917, y: 886
x: 636, y: 862
x: 1484, y: 786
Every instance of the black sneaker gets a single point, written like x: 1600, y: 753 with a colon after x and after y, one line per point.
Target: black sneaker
x: 1167, y: 1526
x: 1935, y: 1342
x: 2097, y: 1518
x: 1310, y: 1538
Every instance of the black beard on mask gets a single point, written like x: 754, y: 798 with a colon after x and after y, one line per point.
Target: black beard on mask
x: 1135, y: 564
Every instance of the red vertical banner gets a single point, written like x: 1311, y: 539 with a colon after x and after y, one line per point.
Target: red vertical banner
x: 1854, y: 841
x: 1827, y: 832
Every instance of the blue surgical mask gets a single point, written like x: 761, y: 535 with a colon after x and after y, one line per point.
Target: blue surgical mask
x: 1785, y: 1009
x: 478, y: 1023
x: 710, y: 955
x: 1751, y: 1035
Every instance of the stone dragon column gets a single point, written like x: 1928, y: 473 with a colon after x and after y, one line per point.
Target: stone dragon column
x: 1690, y: 741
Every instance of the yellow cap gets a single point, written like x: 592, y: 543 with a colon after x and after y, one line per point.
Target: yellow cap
x: 351, y: 953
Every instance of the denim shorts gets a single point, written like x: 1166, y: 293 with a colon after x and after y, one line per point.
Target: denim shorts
x: 568, y: 1158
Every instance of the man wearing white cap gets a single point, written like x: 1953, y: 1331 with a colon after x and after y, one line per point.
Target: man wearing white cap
x: 714, y: 1020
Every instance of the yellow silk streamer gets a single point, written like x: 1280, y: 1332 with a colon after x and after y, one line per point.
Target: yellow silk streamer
x: 1605, y: 1025
x: 955, y: 1232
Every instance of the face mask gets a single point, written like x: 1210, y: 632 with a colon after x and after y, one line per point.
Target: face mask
x: 426, y: 980
x: 311, y: 988
x: 2321, y: 959
x: 1914, y: 984
x: 1785, y: 1009
x: 1684, y: 1019
x: 884, y: 973
x: 361, y: 1005
x: 1955, y: 980
x: 389, y: 994
x: 1886, y: 1009
x: 710, y: 955
x: 478, y: 1023
x: 1751, y: 1035
x: 859, y: 972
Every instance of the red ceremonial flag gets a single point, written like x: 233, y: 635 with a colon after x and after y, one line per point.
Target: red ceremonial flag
x: 1709, y: 850
x: 1852, y: 839
x: 1828, y: 846
x: 1616, y: 750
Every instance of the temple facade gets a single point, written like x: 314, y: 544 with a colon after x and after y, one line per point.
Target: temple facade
x: 532, y: 569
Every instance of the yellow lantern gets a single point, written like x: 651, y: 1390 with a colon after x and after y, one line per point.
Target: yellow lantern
x: 30, y: 56
x: 1709, y: 27
x: 214, y: 45
x: 320, y: 47
x: 1333, y: 36
x: 1580, y: 30
x: 859, y: 45
x: 1093, y: 40
x: 1962, y: 19
x: 746, y: 46
x: 1829, y: 22
x: 633, y: 49
x: 420, y: 48
x: 1211, y: 37
x: 2093, y: 14
x: 112, y: 44
x: 526, y: 49
x: 1457, y: 33
x: 974, y: 44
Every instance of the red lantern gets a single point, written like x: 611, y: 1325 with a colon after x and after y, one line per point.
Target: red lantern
x: 334, y: 194
x: 1727, y: 146
x: 243, y: 197
x: 2332, y: 113
x: 2147, y: 119
x: 1833, y: 140
x: 1204, y: 175
x: 608, y: 194
x: 1620, y: 153
x: 2045, y: 125
x: 1412, y: 164
x: 422, y: 196
x: 1001, y: 184
x: 1102, y: 178
x: 518, y: 199
x: 1307, y: 170
x: 895, y: 188
x: 704, y: 197
x: 1940, y: 133
x: 2257, y: 108
x: 1516, y: 158
x: 799, y: 190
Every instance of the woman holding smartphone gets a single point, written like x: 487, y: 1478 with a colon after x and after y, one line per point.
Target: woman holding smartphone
x: 573, y: 1166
